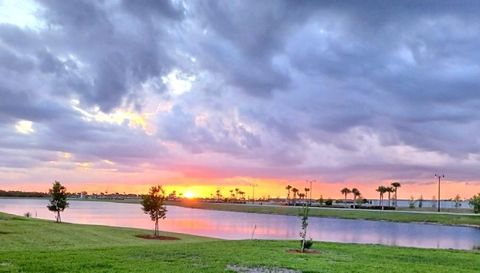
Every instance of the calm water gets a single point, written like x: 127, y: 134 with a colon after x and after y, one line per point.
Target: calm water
x: 236, y: 225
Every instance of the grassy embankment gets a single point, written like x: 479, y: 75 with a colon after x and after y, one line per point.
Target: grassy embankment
x: 31, y: 245
x: 394, y: 216
x: 375, y: 215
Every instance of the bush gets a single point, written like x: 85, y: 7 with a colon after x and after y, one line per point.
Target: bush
x: 329, y: 202
x: 475, y: 203
x: 308, y: 243
x: 27, y: 214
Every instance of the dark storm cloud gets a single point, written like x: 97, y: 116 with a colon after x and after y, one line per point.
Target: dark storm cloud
x: 277, y: 82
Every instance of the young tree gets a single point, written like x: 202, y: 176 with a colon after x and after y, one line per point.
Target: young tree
x: 154, y: 204
x: 58, y: 200
x: 303, y: 233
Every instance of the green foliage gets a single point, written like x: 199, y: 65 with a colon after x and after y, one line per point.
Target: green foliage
x: 154, y: 204
x: 475, y: 203
x: 58, y: 199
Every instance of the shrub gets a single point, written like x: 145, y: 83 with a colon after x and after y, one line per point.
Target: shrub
x: 27, y: 214
x: 475, y: 203
x: 329, y: 202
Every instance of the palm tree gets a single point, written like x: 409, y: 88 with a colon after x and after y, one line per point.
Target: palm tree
x: 345, y: 192
x: 295, y: 191
x: 237, y: 190
x: 301, y: 196
x: 389, y: 191
x: 288, y: 188
x: 395, y: 186
x: 306, y: 192
x: 381, y: 190
x: 356, y: 193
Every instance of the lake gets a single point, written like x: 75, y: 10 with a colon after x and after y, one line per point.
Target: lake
x: 238, y: 225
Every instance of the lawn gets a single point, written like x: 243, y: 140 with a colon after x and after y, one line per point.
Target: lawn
x: 31, y: 245
x: 394, y: 216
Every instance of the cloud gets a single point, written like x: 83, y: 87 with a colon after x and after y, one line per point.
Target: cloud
x: 293, y: 89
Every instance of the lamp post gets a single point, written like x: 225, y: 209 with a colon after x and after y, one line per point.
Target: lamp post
x: 253, y: 191
x: 439, y: 176
x: 310, y: 189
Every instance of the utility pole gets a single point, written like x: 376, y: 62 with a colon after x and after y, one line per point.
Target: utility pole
x: 311, y: 188
x: 253, y: 191
x: 439, y: 176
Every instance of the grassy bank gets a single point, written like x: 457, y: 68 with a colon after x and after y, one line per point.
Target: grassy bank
x: 31, y: 245
x: 395, y: 216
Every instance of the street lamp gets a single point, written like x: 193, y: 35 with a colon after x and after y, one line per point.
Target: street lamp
x: 310, y: 189
x: 439, y: 176
x: 253, y: 189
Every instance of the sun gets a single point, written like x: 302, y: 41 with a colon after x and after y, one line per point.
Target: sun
x: 189, y: 194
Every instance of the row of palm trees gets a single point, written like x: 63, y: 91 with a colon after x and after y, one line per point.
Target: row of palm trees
x: 296, y: 193
x: 356, y: 194
x: 389, y: 190
x: 235, y: 194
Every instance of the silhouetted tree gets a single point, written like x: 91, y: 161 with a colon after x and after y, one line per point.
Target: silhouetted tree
x: 345, y: 192
x: 154, y: 204
x: 295, y: 192
x: 381, y: 190
x: 58, y: 199
x: 288, y: 188
x: 389, y: 191
x: 395, y: 186
x: 457, y: 201
x: 355, y: 193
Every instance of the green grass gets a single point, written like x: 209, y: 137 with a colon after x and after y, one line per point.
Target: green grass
x: 394, y: 216
x: 30, y: 245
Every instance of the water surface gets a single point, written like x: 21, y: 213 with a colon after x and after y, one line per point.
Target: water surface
x: 238, y: 225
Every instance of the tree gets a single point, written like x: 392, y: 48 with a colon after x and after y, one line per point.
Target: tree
x: 395, y: 186
x: 381, y: 190
x: 58, y: 199
x: 307, y: 190
x: 475, y: 203
x: 303, y: 233
x: 345, y: 192
x: 154, y: 204
x: 457, y: 201
x: 356, y: 193
x: 389, y: 190
x: 295, y: 191
x: 288, y: 188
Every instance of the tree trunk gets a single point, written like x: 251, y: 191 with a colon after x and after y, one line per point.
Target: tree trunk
x: 58, y: 217
x: 345, y: 201
x: 156, y: 227
x: 396, y: 202
x: 354, y: 203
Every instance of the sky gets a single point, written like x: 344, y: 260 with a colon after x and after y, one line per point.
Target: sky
x: 202, y: 95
